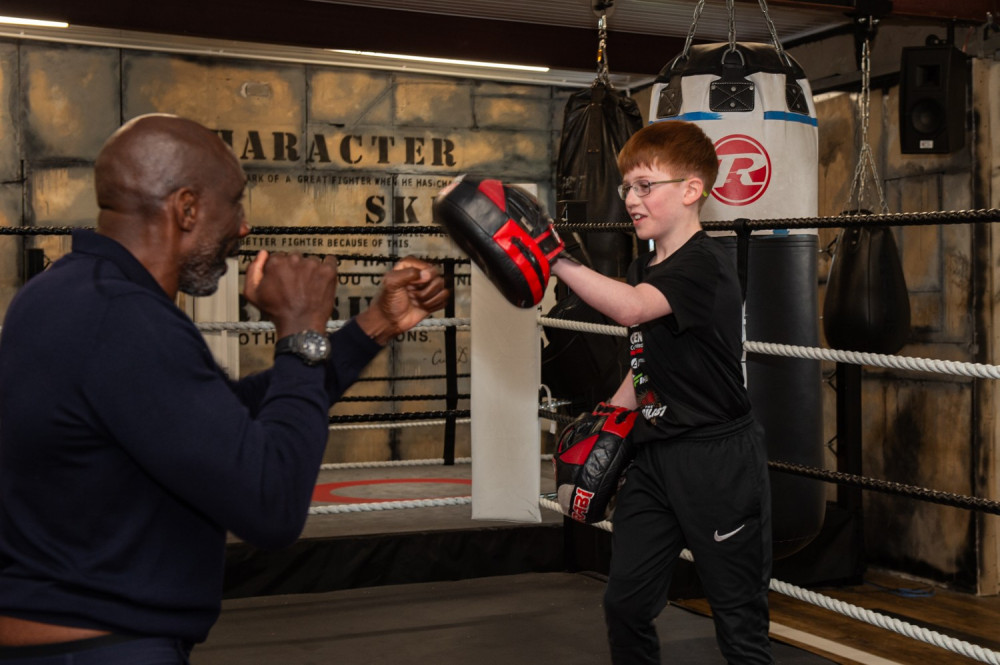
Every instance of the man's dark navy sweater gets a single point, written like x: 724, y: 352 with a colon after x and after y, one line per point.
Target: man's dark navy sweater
x: 126, y: 453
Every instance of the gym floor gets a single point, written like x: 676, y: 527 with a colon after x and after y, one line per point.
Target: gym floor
x: 431, y: 585
x: 529, y: 618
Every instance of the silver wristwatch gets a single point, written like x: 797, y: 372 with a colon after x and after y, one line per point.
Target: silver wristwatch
x: 312, y: 347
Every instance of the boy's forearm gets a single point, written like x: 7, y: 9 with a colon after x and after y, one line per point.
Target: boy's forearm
x: 612, y: 298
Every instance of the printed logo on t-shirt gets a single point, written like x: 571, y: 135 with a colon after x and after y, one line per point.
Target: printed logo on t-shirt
x: 646, y: 398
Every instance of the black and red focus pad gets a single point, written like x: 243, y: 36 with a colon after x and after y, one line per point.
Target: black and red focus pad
x: 506, y: 232
x: 590, y: 457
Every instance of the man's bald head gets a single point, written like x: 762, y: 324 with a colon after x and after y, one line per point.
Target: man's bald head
x: 152, y: 156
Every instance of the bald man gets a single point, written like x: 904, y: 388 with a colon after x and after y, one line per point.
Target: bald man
x: 126, y: 454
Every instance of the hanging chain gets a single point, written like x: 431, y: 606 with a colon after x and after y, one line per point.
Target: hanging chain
x: 694, y: 26
x: 731, y: 8
x: 774, y: 33
x: 603, y: 74
x: 866, y: 161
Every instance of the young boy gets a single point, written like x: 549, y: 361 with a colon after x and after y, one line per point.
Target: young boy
x: 700, y: 478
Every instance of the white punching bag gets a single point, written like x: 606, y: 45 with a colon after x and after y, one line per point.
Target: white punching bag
x: 756, y: 105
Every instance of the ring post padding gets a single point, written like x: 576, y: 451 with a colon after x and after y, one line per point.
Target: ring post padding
x: 505, y: 372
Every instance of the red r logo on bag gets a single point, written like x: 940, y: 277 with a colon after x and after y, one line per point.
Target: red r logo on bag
x: 744, y: 170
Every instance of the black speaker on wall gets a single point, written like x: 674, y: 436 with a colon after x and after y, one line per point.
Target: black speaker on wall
x: 933, y: 80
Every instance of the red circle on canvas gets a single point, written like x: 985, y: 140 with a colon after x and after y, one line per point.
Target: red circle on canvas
x: 326, y: 492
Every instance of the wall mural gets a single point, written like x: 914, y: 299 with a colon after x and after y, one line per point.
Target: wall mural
x: 321, y: 146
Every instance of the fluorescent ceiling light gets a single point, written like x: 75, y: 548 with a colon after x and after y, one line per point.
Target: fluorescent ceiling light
x: 13, y: 20
x: 443, y: 61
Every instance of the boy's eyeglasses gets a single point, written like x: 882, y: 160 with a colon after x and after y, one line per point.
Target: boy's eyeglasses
x: 643, y: 187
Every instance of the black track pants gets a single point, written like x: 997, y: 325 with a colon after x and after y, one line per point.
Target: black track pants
x: 710, y: 494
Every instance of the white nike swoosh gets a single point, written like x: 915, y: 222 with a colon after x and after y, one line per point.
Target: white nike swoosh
x: 719, y: 538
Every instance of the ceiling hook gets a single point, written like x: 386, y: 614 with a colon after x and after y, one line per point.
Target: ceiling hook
x: 602, y: 7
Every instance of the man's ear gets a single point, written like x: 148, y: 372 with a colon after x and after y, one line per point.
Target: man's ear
x: 182, y: 205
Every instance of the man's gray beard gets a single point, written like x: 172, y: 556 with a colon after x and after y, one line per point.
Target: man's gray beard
x: 201, y: 271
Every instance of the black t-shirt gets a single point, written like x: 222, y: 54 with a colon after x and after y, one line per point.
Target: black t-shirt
x: 686, y: 365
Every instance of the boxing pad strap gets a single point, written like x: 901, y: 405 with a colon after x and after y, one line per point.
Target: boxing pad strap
x: 526, y: 212
x: 526, y: 255
x: 526, y: 236
x: 552, y: 245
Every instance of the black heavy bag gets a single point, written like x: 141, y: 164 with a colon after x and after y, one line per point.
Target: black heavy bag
x: 783, y: 308
x: 582, y: 367
x: 867, y: 307
x: 597, y: 122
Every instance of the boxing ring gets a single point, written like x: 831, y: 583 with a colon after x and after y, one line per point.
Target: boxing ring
x: 543, y: 580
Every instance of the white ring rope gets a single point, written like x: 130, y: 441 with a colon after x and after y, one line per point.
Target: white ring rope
x: 437, y: 461
x: 580, y: 326
x: 953, y: 367
x: 389, y: 505
x: 392, y: 463
x: 974, y: 370
x: 398, y: 425
x: 888, y: 623
x: 261, y: 326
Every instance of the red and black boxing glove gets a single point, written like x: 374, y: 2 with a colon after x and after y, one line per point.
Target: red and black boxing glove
x: 506, y: 232
x: 593, y: 452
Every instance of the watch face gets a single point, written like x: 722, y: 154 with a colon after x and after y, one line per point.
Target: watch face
x: 314, y: 346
